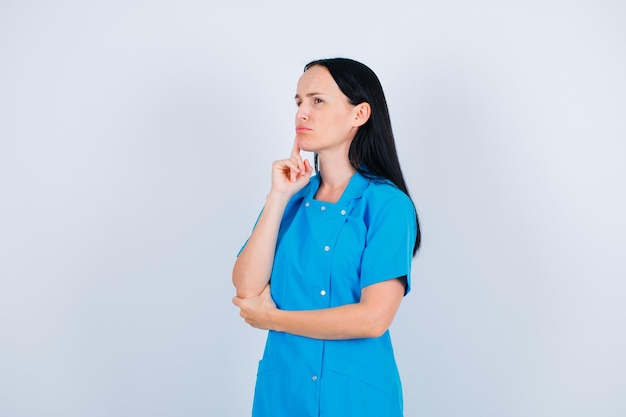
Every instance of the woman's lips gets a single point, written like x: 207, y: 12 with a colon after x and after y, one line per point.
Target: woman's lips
x: 302, y: 129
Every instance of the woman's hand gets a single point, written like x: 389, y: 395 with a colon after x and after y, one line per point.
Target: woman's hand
x: 291, y: 175
x: 257, y: 311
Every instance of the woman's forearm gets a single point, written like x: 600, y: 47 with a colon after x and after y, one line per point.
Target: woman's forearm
x: 253, y: 266
x: 349, y: 321
x: 371, y: 317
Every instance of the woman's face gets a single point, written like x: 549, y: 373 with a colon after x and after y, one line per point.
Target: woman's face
x: 325, y: 120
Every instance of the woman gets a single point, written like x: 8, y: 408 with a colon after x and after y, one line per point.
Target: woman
x: 337, y: 249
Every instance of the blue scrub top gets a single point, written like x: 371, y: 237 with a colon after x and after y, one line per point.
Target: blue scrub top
x: 325, y: 254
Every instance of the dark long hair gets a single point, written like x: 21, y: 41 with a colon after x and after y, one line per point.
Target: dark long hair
x: 373, y: 150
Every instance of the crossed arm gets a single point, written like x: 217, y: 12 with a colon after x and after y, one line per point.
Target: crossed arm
x: 370, y: 317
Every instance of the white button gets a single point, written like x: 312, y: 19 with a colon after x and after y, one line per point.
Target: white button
x: 343, y: 212
x: 322, y: 292
x: 326, y: 248
x: 314, y: 377
x: 307, y: 204
x: 323, y: 208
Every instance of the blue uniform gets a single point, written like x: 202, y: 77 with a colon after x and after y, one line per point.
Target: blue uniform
x: 325, y: 254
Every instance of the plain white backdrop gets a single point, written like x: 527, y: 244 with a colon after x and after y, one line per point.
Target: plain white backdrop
x: 136, y: 139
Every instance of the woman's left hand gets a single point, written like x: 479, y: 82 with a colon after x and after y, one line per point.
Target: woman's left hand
x: 257, y: 311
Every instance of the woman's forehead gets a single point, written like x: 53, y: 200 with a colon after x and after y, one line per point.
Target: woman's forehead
x: 317, y: 78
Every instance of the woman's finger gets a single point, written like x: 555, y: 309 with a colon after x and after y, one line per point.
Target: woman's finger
x: 298, y: 163
x: 295, y: 151
x: 289, y: 168
x: 285, y: 164
x: 295, y: 154
x: 307, y: 166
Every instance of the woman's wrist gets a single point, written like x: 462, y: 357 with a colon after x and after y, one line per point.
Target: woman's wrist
x: 274, y: 319
x: 277, y: 197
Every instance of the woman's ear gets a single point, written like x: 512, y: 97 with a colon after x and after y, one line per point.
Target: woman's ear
x: 362, y: 113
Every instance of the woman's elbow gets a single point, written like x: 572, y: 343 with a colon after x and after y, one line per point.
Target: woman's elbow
x: 236, y: 277
x: 246, y: 292
x: 238, y: 282
x: 244, y: 289
x: 247, y: 281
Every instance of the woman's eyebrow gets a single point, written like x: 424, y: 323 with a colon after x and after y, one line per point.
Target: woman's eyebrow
x: 309, y: 95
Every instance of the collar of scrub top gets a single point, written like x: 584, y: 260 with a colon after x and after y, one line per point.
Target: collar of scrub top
x: 357, y: 185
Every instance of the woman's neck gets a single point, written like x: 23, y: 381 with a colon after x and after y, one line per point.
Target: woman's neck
x: 335, y: 176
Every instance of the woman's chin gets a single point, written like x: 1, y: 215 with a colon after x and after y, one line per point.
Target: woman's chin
x: 307, y: 149
x: 305, y: 146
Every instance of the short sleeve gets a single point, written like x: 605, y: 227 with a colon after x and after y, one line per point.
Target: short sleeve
x: 390, y: 238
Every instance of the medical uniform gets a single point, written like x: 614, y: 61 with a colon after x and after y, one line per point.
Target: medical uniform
x: 325, y: 254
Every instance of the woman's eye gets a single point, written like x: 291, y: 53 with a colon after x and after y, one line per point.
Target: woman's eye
x: 318, y: 100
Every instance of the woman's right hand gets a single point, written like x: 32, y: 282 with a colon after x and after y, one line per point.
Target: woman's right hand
x: 291, y: 175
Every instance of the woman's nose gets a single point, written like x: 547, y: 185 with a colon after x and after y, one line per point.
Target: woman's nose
x: 302, y: 113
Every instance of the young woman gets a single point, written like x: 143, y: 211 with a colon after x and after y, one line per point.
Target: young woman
x: 329, y: 259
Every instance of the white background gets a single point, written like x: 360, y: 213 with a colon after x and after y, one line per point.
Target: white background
x: 136, y: 139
